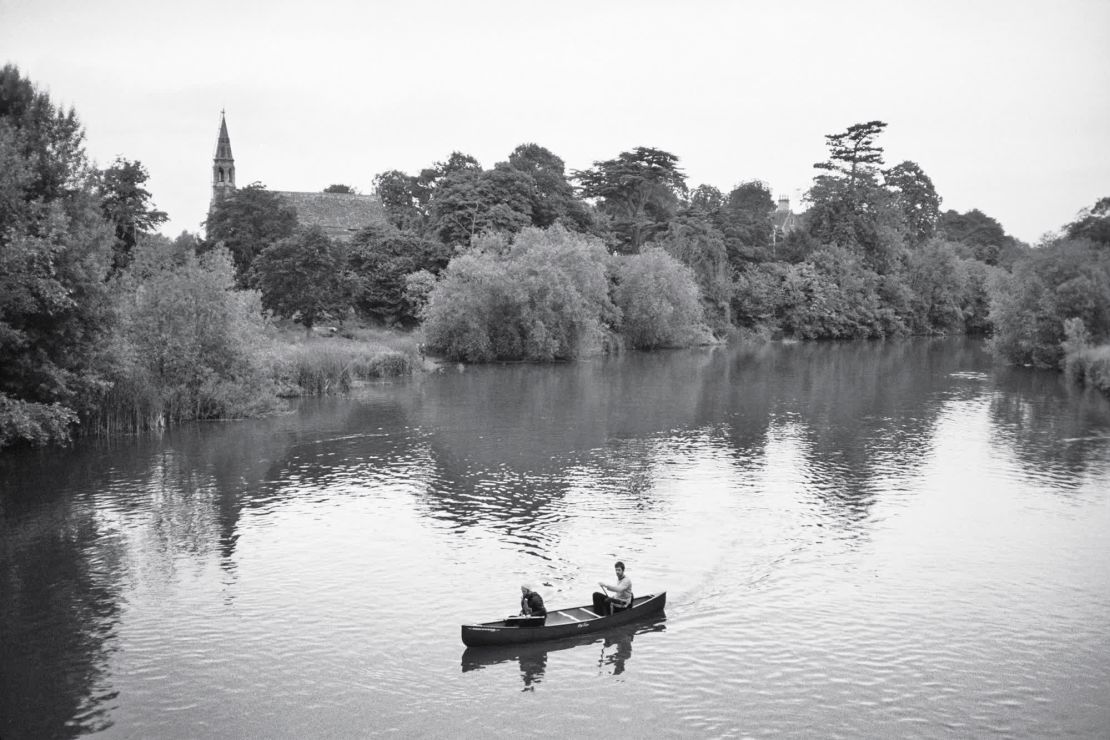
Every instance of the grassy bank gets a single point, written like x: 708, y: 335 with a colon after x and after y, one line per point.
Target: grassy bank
x: 322, y: 365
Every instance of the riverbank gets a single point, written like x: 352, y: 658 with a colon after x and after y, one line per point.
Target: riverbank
x: 334, y: 359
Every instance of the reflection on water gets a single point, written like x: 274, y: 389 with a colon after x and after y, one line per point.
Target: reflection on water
x: 797, y: 501
x: 531, y: 659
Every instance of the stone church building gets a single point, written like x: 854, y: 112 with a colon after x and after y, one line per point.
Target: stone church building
x: 340, y: 215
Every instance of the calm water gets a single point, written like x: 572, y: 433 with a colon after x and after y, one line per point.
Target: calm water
x: 863, y: 539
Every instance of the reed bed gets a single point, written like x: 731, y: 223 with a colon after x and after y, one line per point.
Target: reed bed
x: 1091, y: 366
x: 325, y: 366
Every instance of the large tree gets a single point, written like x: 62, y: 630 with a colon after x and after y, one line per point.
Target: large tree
x: 850, y: 206
x: 916, y: 198
x: 55, y: 255
x: 552, y: 196
x: 640, y: 191
x: 469, y: 202
x: 301, y: 277
x: 379, y: 262
x: 982, y: 237
x: 744, y: 219
x: 247, y: 221
x: 127, y: 204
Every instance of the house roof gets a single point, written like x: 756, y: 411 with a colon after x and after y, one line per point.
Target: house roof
x: 340, y: 215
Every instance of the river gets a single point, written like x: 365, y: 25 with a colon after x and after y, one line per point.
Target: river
x: 857, y: 540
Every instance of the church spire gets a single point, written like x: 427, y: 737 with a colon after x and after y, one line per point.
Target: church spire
x: 223, y: 164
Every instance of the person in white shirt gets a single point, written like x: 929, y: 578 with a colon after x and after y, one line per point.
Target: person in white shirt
x: 618, y: 595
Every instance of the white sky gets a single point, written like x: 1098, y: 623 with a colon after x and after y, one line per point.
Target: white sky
x: 1004, y: 104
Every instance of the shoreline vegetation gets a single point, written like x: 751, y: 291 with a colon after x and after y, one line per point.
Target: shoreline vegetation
x: 108, y: 327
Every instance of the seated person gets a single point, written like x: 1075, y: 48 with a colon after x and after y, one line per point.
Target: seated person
x: 531, y: 603
x: 620, y: 596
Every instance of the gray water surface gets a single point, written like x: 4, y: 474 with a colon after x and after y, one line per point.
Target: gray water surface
x: 857, y: 540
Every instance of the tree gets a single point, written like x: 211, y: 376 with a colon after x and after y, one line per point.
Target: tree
x: 639, y: 191
x: 707, y: 200
x: 1067, y: 279
x: 851, y: 208
x: 188, y: 346
x: 545, y: 298
x: 247, y: 221
x: 468, y: 202
x: 933, y: 274
x: 853, y: 155
x: 301, y: 277
x: 552, y: 196
x: 55, y: 256
x: 379, y: 263
x: 659, y: 301
x: 127, y: 206
x: 398, y: 193
x: 695, y: 242
x: 744, y: 219
x: 340, y: 188
x: 1092, y: 223
x: 916, y: 198
x: 984, y: 237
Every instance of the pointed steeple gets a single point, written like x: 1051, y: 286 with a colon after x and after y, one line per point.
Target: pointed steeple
x: 223, y: 163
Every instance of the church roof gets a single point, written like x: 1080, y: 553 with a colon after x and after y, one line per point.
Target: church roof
x: 223, y: 141
x: 341, y: 215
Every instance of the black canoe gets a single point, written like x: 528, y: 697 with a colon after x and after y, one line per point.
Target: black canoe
x: 575, y: 620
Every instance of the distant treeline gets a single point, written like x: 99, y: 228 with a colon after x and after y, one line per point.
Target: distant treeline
x: 105, y: 324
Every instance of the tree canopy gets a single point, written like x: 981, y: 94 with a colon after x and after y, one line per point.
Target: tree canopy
x: 640, y: 191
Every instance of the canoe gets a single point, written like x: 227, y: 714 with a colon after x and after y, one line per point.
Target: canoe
x: 575, y: 620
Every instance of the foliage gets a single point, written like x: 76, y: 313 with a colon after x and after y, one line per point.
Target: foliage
x: 418, y: 289
x: 328, y: 366
x: 301, y: 277
x: 695, y: 242
x: 659, y: 301
x: 979, y: 237
x: 398, y: 194
x: 188, y: 344
x: 55, y: 254
x: 639, y: 191
x: 469, y: 202
x: 1084, y: 363
x: 247, y: 221
x: 127, y: 205
x: 851, y: 206
x: 744, y: 219
x: 1068, y: 279
x: 1092, y: 223
x: 379, y: 262
x: 916, y: 198
x: 552, y: 197
x: 545, y: 298
x: 938, y: 285
x: 340, y: 188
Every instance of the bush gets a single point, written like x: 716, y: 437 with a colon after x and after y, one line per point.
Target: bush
x: 1068, y: 279
x: 37, y: 424
x: 188, y: 346
x: 544, y: 298
x: 659, y: 301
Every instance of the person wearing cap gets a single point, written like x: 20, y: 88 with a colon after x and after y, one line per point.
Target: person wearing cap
x: 531, y: 603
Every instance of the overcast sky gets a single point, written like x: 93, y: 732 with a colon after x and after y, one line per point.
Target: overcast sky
x: 1005, y: 105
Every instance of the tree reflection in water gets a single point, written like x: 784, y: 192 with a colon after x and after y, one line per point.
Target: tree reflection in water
x: 531, y: 659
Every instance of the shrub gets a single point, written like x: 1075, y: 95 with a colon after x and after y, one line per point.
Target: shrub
x: 659, y: 301
x: 189, y: 346
x: 1068, y: 279
x: 543, y: 298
